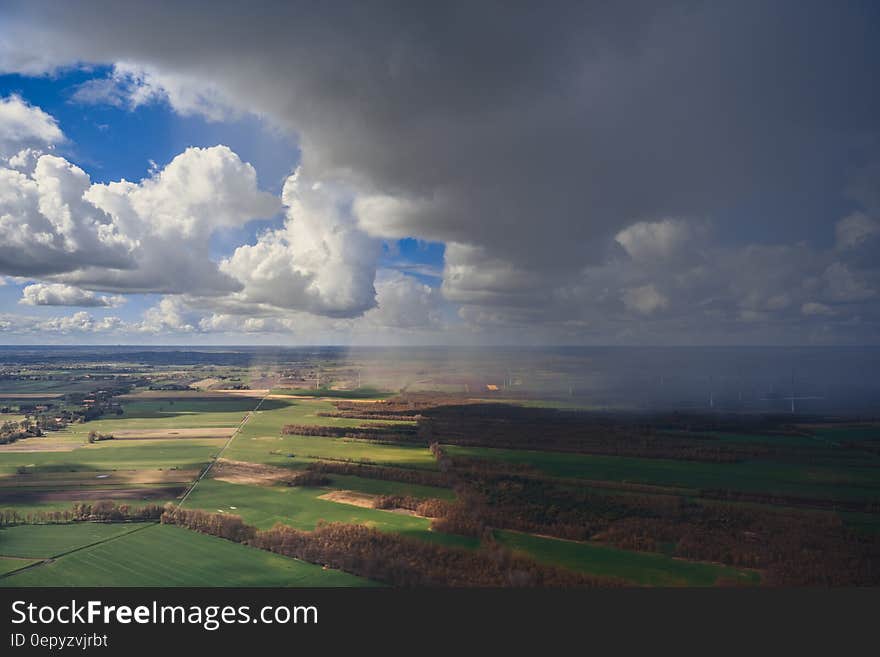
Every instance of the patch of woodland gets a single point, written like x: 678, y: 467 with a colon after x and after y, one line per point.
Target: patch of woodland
x: 792, y: 546
x: 222, y: 525
x: 428, y: 508
x: 389, y: 558
x: 12, y: 431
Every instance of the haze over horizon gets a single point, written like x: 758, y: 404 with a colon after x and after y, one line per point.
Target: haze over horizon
x: 824, y: 381
x: 407, y: 173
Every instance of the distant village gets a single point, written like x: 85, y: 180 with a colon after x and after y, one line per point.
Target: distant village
x: 29, y: 418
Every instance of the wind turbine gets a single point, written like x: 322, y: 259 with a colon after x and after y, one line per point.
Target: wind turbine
x: 792, y: 398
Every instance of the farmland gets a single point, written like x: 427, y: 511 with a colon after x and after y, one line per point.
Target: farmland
x: 547, y: 485
x: 781, y: 479
x: 647, y: 569
x: 46, y: 541
x: 167, y: 556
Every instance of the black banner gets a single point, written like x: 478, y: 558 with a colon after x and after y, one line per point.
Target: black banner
x: 117, y: 621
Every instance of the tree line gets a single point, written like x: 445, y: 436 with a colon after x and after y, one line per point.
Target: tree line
x: 426, y: 507
x: 100, y: 511
x: 363, y: 415
x: 385, y: 473
x: 384, y: 432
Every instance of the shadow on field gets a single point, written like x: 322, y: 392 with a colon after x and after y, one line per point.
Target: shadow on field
x: 83, y: 495
x: 170, y: 409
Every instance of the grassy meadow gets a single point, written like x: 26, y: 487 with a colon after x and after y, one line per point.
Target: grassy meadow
x: 162, y: 555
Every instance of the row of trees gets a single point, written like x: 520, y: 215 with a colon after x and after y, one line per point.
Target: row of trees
x: 224, y: 525
x: 101, y: 511
x: 309, y: 478
x: 444, y: 461
x: 404, y: 406
x: 383, y: 432
x: 364, y: 415
x: 384, y: 473
x: 428, y: 508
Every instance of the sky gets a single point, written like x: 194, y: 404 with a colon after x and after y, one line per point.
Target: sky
x: 640, y: 173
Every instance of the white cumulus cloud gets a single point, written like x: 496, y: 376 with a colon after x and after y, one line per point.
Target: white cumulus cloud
x: 46, y: 226
x: 24, y: 126
x: 59, y: 294
x: 816, y: 308
x: 171, y: 216
x: 645, y: 299
x: 655, y: 240
x: 855, y: 229
x: 319, y: 261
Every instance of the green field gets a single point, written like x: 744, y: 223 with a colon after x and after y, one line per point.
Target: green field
x: 643, y: 568
x: 49, y: 387
x: 776, y: 440
x: 162, y: 555
x: 45, y: 541
x: 113, y: 455
x: 171, y: 414
x: 300, y: 507
x: 850, y: 483
x: 260, y: 440
x: 292, y: 505
x: 848, y: 433
x: 299, y: 451
x: 275, y: 413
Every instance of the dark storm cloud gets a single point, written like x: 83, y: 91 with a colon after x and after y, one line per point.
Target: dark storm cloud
x: 518, y: 117
x: 525, y: 135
